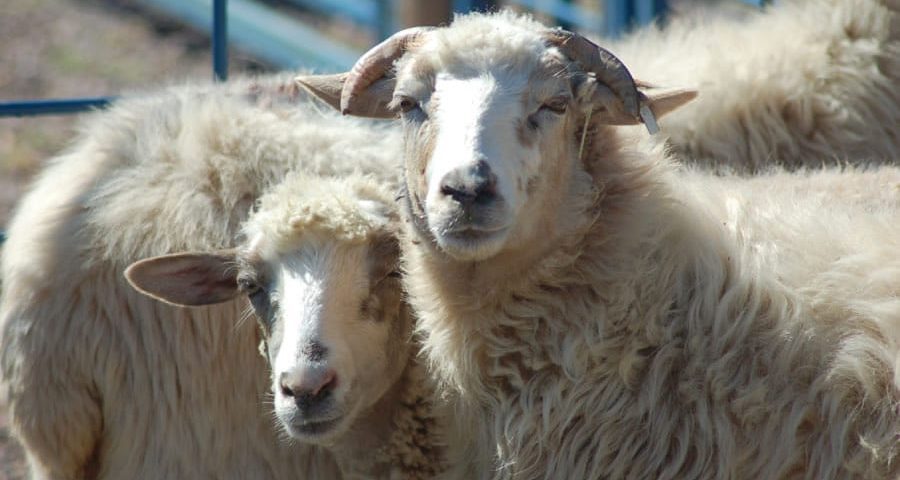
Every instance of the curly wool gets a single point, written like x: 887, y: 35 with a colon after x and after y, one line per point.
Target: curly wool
x: 671, y: 341
x: 304, y: 205
x: 796, y: 84
x: 416, y: 448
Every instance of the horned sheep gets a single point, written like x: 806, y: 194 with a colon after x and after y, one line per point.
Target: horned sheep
x: 591, y: 312
x: 798, y: 83
x: 104, y: 382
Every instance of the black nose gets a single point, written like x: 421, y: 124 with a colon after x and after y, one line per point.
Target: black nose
x: 474, y: 184
x: 309, y: 390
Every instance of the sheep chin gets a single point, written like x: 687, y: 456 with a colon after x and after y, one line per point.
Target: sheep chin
x: 471, y: 244
x: 320, y: 432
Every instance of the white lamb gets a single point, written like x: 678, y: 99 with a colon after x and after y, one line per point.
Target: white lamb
x: 592, y: 312
x: 320, y: 266
x: 104, y: 382
x: 799, y: 83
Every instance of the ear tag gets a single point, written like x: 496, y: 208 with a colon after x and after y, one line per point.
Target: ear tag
x: 649, y: 120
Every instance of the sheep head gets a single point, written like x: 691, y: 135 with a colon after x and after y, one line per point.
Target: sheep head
x: 320, y: 271
x: 494, y: 108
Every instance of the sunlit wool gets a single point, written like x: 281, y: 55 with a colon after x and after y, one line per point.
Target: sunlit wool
x: 104, y: 382
x: 634, y: 322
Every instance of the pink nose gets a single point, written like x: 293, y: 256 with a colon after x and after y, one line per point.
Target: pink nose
x: 311, y: 384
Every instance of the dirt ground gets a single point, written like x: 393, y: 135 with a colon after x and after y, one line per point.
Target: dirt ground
x: 67, y: 48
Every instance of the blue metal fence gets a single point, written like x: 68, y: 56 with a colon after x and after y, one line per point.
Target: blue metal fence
x: 220, y: 40
x: 377, y: 14
x: 265, y: 33
x: 48, y: 107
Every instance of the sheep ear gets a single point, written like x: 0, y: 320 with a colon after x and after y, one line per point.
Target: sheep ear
x: 326, y: 87
x: 660, y: 100
x: 186, y: 279
x: 385, y: 254
x: 372, y: 102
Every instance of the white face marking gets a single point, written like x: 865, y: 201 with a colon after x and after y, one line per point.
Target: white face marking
x: 322, y: 331
x: 301, y: 299
x: 477, y: 120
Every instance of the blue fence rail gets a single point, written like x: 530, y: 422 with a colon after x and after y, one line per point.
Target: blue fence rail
x: 52, y: 107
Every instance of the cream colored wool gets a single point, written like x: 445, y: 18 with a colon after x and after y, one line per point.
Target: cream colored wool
x: 683, y: 330
x: 103, y: 382
x: 652, y: 323
x: 798, y: 84
x: 400, y: 438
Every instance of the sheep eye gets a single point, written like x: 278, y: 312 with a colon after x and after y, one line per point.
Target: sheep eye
x: 557, y: 105
x: 406, y: 104
x: 248, y: 286
x: 259, y: 297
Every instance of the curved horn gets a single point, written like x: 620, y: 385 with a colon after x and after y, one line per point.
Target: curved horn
x: 608, y: 69
x: 375, y: 63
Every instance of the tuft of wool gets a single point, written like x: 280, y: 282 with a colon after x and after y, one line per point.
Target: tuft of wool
x: 796, y: 84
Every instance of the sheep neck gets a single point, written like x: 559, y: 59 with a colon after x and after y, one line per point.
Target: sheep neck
x: 398, y: 434
x: 505, y: 315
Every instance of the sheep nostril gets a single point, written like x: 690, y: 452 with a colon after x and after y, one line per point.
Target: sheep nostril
x: 286, y: 390
x: 486, y: 190
x: 471, y: 185
x: 460, y: 195
x: 310, y: 388
x: 328, y: 383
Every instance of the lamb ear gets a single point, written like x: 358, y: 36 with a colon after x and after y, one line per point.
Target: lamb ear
x: 661, y: 101
x: 186, y: 279
x: 373, y: 101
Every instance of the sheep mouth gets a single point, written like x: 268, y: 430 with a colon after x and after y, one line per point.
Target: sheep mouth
x: 471, y: 243
x: 467, y: 226
x: 312, y: 428
x: 473, y: 234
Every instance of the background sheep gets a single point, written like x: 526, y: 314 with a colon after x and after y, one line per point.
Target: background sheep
x: 104, y: 382
x: 320, y: 268
x: 799, y: 83
x: 590, y: 313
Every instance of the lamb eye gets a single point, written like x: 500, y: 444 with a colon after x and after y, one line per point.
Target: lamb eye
x: 406, y: 104
x: 557, y: 105
x: 258, y: 295
x: 248, y: 286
